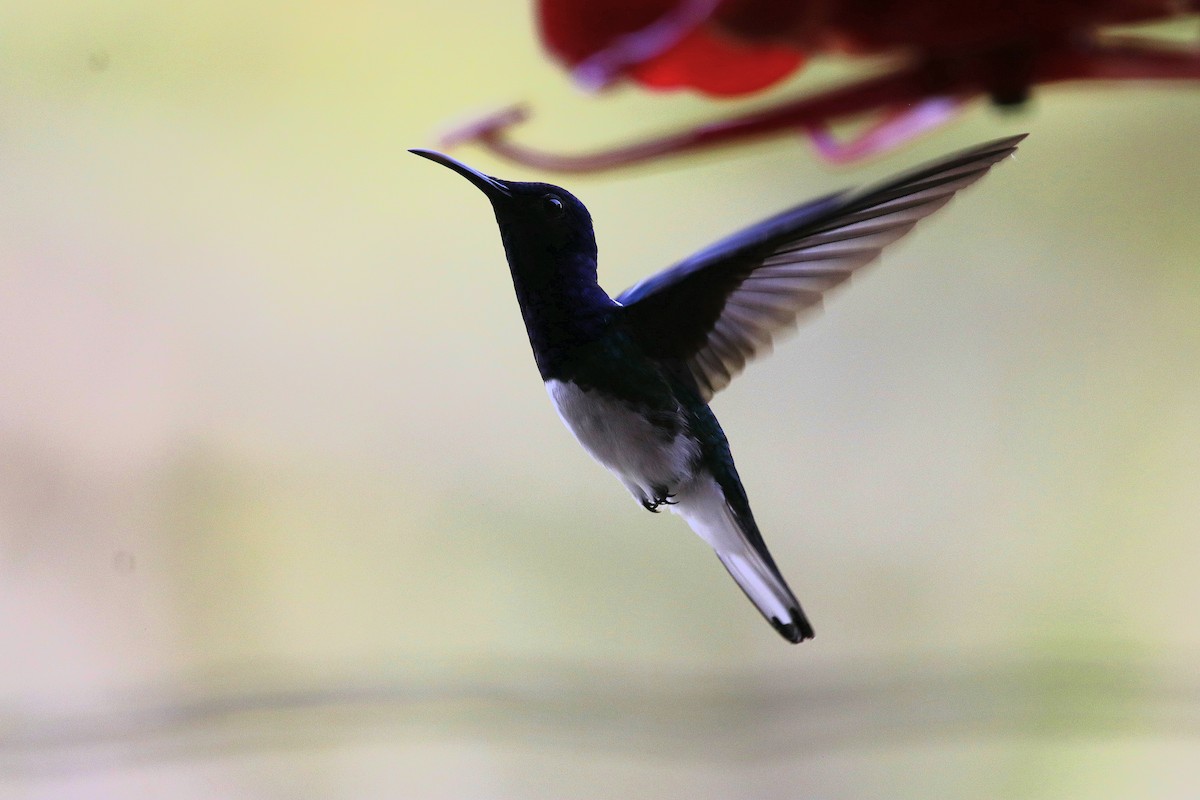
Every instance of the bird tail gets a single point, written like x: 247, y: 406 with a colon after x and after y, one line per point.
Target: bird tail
x: 734, y: 536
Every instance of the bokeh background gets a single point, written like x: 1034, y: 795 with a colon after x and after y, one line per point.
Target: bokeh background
x: 285, y: 511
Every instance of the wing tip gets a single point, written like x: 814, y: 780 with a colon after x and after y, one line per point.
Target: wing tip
x: 991, y: 152
x: 1008, y: 145
x: 1005, y: 142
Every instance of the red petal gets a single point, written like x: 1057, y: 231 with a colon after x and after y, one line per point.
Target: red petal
x: 576, y: 29
x: 718, y: 66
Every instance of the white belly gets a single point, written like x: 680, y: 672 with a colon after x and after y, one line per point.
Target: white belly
x: 645, y: 458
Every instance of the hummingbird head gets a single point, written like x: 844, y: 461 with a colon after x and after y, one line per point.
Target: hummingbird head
x: 544, y: 227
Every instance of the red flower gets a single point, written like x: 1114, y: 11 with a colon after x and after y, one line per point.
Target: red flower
x: 946, y: 52
x: 663, y: 44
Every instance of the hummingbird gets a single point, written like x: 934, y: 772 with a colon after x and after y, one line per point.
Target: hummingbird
x: 632, y: 376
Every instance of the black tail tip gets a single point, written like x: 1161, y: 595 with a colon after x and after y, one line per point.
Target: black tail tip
x: 796, y: 630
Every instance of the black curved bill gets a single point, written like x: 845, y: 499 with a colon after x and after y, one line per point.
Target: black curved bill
x: 486, y: 183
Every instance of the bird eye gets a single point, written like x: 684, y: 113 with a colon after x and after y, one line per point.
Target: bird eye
x: 554, y: 205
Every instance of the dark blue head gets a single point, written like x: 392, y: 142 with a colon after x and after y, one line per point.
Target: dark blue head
x: 551, y: 253
x: 544, y: 227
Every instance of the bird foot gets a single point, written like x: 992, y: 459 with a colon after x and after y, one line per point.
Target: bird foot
x: 663, y: 499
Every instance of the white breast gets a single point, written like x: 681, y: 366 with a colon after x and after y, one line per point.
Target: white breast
x: 644, y: 457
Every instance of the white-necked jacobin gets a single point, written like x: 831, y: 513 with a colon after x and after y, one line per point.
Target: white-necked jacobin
x: 631, y: 377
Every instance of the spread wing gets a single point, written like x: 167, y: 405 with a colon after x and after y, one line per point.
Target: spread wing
x: 721, y: 307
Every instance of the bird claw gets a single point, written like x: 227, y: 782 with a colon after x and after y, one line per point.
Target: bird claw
x: 663, y: 499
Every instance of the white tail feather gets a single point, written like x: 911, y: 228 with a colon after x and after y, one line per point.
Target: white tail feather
x: 702, y: 504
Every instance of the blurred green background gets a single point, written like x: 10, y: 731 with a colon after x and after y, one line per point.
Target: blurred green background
x: 285, y: 511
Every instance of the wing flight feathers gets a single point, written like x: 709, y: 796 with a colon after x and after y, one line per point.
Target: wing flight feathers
x: 722, y: 307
